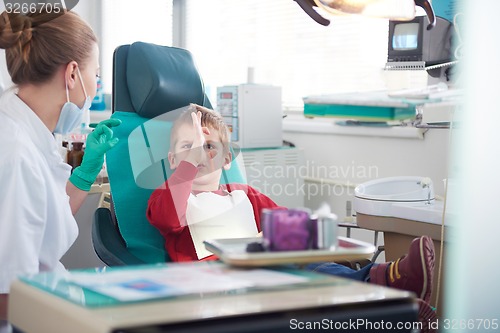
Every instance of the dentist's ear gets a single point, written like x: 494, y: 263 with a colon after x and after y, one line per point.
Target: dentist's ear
x: 69, y: 74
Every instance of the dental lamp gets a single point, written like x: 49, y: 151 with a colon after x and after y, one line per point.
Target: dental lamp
x: 403, y: 10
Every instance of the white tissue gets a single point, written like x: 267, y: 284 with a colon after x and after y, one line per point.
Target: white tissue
x: 324, y: 210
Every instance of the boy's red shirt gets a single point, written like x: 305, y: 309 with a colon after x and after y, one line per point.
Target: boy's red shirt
x: 167, y: 210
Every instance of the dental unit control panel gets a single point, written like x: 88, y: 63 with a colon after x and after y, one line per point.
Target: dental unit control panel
x: 253, y: 114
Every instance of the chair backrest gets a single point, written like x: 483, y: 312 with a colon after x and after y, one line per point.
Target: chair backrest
x: 151, y: 84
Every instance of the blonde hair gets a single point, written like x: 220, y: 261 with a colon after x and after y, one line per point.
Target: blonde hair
x: 37, y: 44
x: 209, y: 118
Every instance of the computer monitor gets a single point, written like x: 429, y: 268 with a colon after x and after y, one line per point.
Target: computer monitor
x: 411, y: 41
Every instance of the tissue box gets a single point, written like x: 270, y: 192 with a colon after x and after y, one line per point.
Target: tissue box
x: 297, y: 230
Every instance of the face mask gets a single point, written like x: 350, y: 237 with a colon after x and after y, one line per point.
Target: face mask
x: 71, y: 114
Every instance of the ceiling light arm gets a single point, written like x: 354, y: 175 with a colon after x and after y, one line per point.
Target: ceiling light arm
x: 307, y: 6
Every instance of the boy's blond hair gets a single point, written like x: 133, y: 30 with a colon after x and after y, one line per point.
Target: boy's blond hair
x: 209, y: 119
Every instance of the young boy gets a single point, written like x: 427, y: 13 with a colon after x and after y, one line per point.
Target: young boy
x: 193, y: 206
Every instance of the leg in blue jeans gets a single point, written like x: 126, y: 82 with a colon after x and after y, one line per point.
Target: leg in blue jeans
x: 340, y: 270
x: 412, y: 272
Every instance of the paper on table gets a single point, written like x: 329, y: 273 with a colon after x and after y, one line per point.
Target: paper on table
x: 177, y: 280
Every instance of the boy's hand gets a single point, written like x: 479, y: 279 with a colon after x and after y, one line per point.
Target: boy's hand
x: 197, y: 153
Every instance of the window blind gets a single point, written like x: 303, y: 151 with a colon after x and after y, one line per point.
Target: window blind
x: 128, y: 21
x: 285, y: 47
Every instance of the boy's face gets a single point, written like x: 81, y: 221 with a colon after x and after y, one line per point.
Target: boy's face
x: 209, y: 170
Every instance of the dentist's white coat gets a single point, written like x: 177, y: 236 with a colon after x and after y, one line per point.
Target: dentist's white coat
x: 36, y: 223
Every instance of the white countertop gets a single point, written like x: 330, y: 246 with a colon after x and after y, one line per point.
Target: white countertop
x: 301, y: 124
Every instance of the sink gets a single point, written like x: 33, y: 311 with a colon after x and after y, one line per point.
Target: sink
x: 402, y: 208
x: 410, y: 198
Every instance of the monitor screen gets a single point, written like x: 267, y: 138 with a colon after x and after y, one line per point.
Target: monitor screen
x: 405, y: 36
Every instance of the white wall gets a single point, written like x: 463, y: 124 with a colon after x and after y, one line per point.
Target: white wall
x: 354, y: 159
x: 90, y: 11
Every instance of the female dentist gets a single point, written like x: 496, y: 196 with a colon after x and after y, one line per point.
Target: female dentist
x: 53, y: 60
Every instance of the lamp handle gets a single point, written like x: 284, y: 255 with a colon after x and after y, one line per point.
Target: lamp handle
x: 426, y: 5
x: 307, y: 6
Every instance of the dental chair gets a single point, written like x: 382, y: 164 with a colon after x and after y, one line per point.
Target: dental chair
x: 150, y: 82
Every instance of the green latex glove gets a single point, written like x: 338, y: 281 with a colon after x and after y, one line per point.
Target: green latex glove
x: 98, y: 143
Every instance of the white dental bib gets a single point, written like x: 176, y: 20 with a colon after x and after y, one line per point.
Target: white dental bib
x: 214, y: 216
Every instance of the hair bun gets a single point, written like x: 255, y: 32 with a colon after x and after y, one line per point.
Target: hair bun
x: 14, y: 29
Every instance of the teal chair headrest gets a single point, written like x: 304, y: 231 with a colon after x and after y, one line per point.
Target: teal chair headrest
x: 161, y: 79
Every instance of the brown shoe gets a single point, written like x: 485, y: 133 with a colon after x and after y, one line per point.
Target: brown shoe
x: 412, y: 272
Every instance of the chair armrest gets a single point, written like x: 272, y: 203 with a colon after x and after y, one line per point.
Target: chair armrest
x: 108, y: 243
